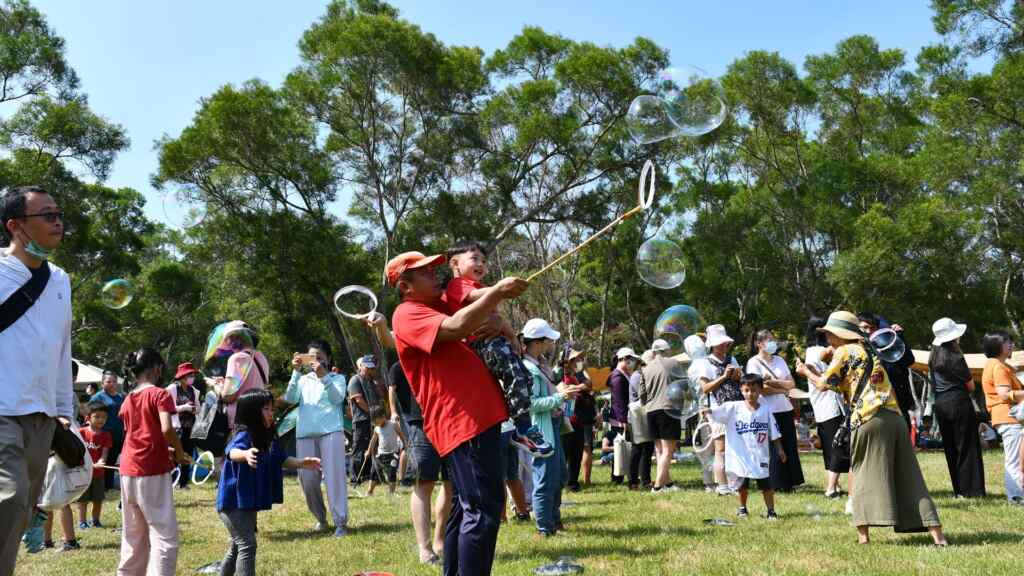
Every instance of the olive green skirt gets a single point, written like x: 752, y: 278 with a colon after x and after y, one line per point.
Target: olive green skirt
x: 888, y: 488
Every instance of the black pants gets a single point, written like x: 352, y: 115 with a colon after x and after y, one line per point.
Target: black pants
x: 959, y: 427
x: 361, y: 434
x: 640, y: 463
x: 112, y: 455
x: 471, y: 535
x: 574, y: 455
x: 789, y: 474
x: 185, y: 470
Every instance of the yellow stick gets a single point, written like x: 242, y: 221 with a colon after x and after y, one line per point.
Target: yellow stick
x: 595, y: 235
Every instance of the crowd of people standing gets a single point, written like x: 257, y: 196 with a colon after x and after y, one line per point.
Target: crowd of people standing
x: 470, y: 398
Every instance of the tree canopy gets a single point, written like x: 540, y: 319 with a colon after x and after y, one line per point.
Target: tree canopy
x: 873, y: 180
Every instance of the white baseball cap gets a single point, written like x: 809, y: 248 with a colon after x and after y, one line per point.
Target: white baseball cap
x: 626, y: 352
x: 660, y: 345
x: 946, y: 330
x: 539, y: 328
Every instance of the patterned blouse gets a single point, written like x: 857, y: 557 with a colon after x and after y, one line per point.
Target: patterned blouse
x: 844, y: 374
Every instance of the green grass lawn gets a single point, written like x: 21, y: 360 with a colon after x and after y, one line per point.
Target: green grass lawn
x: 609, y: 531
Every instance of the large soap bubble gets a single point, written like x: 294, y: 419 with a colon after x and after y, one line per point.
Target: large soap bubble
x: 696, y: 104
x: 648, y: 120
x: 660, y: 263
x: 676, y: 323
x: 117, y: 294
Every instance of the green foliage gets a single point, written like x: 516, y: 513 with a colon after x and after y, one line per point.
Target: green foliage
x: 855, y: 181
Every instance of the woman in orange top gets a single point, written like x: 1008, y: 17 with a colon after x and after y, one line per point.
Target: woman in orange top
x: 1002, y: 391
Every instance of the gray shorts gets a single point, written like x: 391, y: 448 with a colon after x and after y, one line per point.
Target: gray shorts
x: 96, y: 490
x: 427, y: 464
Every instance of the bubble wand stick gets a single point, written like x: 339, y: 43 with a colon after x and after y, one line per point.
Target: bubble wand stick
x: 642, y: 204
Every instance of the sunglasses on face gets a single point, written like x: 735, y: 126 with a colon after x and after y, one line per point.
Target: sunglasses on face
x: 50, y: 217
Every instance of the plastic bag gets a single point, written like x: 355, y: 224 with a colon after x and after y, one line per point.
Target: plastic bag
x: 63, y: 485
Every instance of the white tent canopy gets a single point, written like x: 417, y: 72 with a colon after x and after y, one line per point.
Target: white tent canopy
x: 89, y: 374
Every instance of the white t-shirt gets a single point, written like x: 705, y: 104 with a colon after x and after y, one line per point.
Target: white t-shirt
x: 748, y: 436
x: 825, y: 403
x: 776, y: 402
x: 387, y: 439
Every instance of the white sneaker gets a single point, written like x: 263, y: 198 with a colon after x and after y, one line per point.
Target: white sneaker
x: 723, y: 490
x: 849, y: 506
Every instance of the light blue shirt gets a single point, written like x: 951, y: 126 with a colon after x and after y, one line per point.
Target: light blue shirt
x: 321, y: 403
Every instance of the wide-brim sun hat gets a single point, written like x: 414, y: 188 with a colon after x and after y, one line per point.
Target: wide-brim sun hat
x: 536, y: 328
x: 716, y: 335
x: 184, y: 370
x: 842, y: 324
x: 946, y: 330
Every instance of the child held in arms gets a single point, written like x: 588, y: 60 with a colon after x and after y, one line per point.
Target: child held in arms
x: 750, y: 427
x: 468, y: 261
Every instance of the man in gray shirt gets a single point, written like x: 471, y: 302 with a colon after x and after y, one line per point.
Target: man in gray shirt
x: 362, y: 397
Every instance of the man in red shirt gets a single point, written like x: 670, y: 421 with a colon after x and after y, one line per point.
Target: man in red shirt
x: 462, y: 404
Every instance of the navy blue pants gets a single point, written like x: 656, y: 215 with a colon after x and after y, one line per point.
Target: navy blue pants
x: 478, y: 479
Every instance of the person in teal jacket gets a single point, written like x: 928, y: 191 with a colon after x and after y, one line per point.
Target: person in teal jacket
x: 548, y: 396
x: 320, y: 433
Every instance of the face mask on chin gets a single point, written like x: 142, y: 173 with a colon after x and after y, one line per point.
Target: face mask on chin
x: 36, y: 250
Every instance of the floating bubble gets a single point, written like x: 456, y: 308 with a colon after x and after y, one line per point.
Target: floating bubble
x: 179, y: 214
x: 696, y: 104
x: 887, y: 344
x: 117, y: 294
x: 677, y: 323
x: 355, y: 301
x: 660, y: 263
x: 202, y: 468
x: 648, y: 120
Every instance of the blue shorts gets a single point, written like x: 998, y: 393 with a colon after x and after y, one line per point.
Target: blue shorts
x: 509, y: 457
x: 426, y: 464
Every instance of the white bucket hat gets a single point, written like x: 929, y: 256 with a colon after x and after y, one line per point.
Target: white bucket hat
x: 946, y: 330
x: 626, y: 352
x: 539, y: 328
x: 716, y: 335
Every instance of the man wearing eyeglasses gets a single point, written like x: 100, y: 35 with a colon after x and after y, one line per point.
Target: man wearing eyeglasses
x: 35, y: 352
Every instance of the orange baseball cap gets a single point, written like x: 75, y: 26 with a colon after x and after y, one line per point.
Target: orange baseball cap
x: 410, y: 261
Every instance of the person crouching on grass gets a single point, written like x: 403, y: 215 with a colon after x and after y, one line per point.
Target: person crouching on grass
x: 463, y: 406
x: 749, y: 428
x: 252, y: 479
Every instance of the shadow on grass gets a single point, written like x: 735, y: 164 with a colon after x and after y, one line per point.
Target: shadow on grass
x: 958, y: 539
x: 306, y: 534
x: 583, y: 552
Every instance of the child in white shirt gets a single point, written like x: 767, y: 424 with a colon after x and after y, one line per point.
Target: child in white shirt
x: 388, y: 441
x: 750, y: 426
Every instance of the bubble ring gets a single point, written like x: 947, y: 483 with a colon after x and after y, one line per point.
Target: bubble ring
x: 355, y: 288
x: 649, y: 170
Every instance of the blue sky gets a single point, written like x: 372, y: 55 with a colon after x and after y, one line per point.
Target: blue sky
x: 145, y: 65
